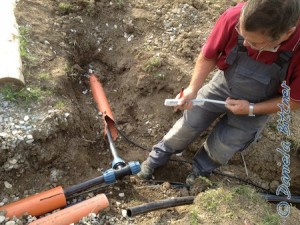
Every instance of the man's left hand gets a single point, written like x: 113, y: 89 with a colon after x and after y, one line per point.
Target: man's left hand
x: 237, y: 107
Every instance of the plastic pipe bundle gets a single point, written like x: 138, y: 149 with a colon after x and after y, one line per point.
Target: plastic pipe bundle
x: 74, y: 213
x: 37, y: 204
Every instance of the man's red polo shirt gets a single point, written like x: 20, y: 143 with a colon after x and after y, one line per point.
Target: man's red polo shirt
x: 223, y: 39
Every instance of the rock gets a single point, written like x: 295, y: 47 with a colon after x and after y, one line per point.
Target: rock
x: 184, y: 192
x: 4, y: 135
x: 78, y: 68
x: 31, y: 218
x: 2, y: 219
x: 274, y: 185
x: 29, y: 141
x: 166, y: 186
x: 29, y: 137
x: 14, y: 132
x: 124, y: 213
x: 122, y: 195
x: 5, y: 104
x: 10, y: 223
x: 265, y: 185
x: 13, y: 161
x: 7, y: 185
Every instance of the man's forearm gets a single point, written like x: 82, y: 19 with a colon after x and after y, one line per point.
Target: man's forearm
x: 202, y: 68
x: 271, y: 106
x: 241, y: 107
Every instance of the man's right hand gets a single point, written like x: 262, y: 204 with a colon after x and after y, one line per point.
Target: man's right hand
x: 185, y: 99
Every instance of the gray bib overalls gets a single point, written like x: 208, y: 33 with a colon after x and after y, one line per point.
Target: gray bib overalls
x: 244, y: 79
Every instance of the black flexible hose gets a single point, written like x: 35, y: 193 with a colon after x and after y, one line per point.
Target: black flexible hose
x: 162, y: 204
x: 146, y: 149
x: 132, y: 142
x: 126, y: 170
x: 91, y: 190
x: 242, y: 180
x: 276, y: 198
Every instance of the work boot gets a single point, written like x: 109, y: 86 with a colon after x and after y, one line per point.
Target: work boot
x: 203, y: 164
x: 146, y: 171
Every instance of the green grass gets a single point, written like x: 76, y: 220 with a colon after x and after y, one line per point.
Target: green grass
x: 24, y: 42
x: 272, y: 126
x: 26, y: 95
x: 43, y: 76
x: 212, y: 199
x: 248, y: 192
x: 64, y: 7
x: 271, y: 219
x: 152, y: 64
x: 195, y: 217
x: 23, y: 38
x: 232, y: 204
x: 60, y: 105
x: 120, y: 2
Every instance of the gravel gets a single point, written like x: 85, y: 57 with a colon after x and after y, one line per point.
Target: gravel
x: 15, y: 126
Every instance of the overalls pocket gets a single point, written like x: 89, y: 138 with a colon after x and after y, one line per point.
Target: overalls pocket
x: 249, y: 85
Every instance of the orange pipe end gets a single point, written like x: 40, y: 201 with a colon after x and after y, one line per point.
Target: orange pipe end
x: 103, y: 105
x: 37, y: 204
x: 74, y: 213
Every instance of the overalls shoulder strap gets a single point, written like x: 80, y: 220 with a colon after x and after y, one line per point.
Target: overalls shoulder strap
x: 240, y: 44
x: 283, y: 61
x: 239, y: 48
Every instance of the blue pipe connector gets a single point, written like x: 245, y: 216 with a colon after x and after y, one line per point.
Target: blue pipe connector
x: 135, y: 167
x: 109, y: 176
x: 118, y: 163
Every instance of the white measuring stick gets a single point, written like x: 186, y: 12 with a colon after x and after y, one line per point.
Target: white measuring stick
x: 174, y: 102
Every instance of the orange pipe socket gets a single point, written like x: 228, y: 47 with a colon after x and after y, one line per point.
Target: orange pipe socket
x: 103, y: 105
x: 38, y: 204
x: 74, y: 213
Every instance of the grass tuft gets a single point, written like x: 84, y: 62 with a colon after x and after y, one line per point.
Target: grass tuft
x: 25, y: 95
x: 64, y: 8
x: 152, y: 64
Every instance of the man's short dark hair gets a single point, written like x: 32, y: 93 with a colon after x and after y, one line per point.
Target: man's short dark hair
x: 271, y: 17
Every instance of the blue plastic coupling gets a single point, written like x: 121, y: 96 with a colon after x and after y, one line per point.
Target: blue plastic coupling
x: 135, y: 167
x: 117, y: 162
x: 109, y: 176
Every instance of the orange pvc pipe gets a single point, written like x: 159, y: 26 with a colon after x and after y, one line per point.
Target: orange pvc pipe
x: 103, y: 105
x: 74, y: 213
x: 38, y: 204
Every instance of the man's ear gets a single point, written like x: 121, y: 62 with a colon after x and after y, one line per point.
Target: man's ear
x: 287, y: 34
x: 290, y: 31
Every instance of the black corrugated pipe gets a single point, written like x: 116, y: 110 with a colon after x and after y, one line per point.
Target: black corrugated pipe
x: 133, y: 211
x: 276, y: 198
